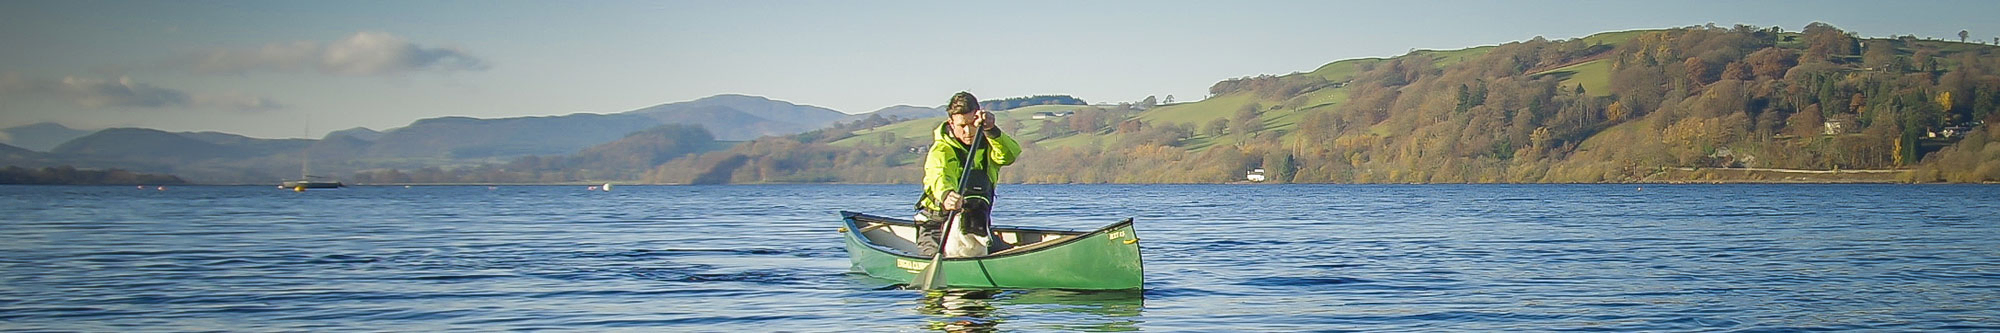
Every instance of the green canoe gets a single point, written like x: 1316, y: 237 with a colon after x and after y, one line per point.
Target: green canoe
x: 1103, y: 259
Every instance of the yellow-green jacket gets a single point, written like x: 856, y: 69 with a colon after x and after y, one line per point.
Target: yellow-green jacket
x: 945, y: 163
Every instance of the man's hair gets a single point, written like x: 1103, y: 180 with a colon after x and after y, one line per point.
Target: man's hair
x: 962, y: 102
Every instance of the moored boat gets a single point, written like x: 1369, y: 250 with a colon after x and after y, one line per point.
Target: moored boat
x: 310, y: 183
x: 1103, y: 259
x: 306, y: 179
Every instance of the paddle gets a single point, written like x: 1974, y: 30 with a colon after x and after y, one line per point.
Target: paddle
x: 932, y: 277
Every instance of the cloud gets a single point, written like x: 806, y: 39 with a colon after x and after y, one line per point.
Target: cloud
x: 125, y: 92
x: 364, y: 53
x: 237, y: 102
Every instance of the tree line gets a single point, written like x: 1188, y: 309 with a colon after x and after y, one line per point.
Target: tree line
x: 68, y: 175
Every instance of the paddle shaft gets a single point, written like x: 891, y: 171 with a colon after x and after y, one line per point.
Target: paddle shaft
x: 933, y: 275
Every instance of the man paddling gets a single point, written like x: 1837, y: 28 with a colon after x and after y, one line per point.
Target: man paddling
x: 967, y: 129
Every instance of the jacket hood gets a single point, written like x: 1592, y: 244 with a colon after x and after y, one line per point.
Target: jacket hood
x: 943, y: 136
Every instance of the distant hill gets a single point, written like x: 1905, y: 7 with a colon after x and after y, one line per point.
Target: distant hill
x: 899, y: 112
x: 743, y: 124
x: 243, y: 146
x: 464, y: 137
x: 142, y: 143
x: 40, y: 136
x: 340, y: 148
x: 12, y: 151
x: 732, y: 117
x: 362, y: 133
x: 1699, y: 103
x: 623, y: 160
x: 438, y: 143
x: 765, y: 116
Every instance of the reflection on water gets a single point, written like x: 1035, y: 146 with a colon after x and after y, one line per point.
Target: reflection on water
x: 960, y: 310
x: 979, y: 310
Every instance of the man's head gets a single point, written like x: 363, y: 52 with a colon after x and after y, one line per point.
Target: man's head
x: 962, y: 102
x: 964, y: 116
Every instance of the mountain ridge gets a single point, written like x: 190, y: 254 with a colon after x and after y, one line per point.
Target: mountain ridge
x: 41, y: 137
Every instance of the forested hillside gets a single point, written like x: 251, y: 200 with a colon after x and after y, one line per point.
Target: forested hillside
x: 622, y: 160
x: 1678, y: 104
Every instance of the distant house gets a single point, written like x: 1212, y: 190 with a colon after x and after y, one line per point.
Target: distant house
x: 1952, y: 132
x: 1839, y: 124
x: 1255, y: 175
x: 1047, y: 115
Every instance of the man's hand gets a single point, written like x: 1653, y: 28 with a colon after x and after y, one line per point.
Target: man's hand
x: 986, y: 120
x: 952, y: 201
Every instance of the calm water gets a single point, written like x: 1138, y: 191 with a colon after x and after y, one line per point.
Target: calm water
x: 1218, y: 258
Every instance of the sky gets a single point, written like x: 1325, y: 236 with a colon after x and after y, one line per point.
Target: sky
x: 287, y: 69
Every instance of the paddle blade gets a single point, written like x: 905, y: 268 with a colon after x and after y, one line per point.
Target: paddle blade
x: 930, y: 277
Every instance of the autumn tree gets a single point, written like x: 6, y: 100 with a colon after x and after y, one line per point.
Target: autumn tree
x: 1880, y: 55
x: 1247, y: 119
x: 1738, y: 70
x: 1088, y: 120
x: 1698, y: 71
x: 1050, y: 129
x: 1772, y: 62
x: 1823, y: 42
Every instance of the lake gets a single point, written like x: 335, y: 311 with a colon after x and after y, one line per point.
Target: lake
x: 756, y: 258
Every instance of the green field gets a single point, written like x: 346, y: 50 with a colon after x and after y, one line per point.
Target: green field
x: 1594, y: 75
x: 920, y: 129
x: 1615, y: 37
x: 1344, y: 70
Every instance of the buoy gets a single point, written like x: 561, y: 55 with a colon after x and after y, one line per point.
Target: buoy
x: 299, y: 189
x: 163, y: 188
x: 607, y: 187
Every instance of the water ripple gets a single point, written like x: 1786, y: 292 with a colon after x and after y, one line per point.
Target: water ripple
x: 1747, y: 258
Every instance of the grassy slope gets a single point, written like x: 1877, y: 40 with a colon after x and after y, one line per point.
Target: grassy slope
x: 921, y: 128
x: 1615, y: 37
x: 1443, y: 59
x: 1593, y: 75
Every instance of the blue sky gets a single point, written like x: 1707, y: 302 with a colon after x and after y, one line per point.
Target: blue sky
x: 261, y: 68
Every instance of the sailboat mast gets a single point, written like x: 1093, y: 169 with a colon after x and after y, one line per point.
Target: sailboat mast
x: 305, y: 164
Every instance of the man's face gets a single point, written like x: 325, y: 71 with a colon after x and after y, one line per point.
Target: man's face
x: 964, y: 120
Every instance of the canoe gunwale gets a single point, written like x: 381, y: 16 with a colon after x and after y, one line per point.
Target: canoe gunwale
x: 1070, y: 236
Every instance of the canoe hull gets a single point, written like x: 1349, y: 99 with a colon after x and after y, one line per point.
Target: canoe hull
x: 1103, y: 259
